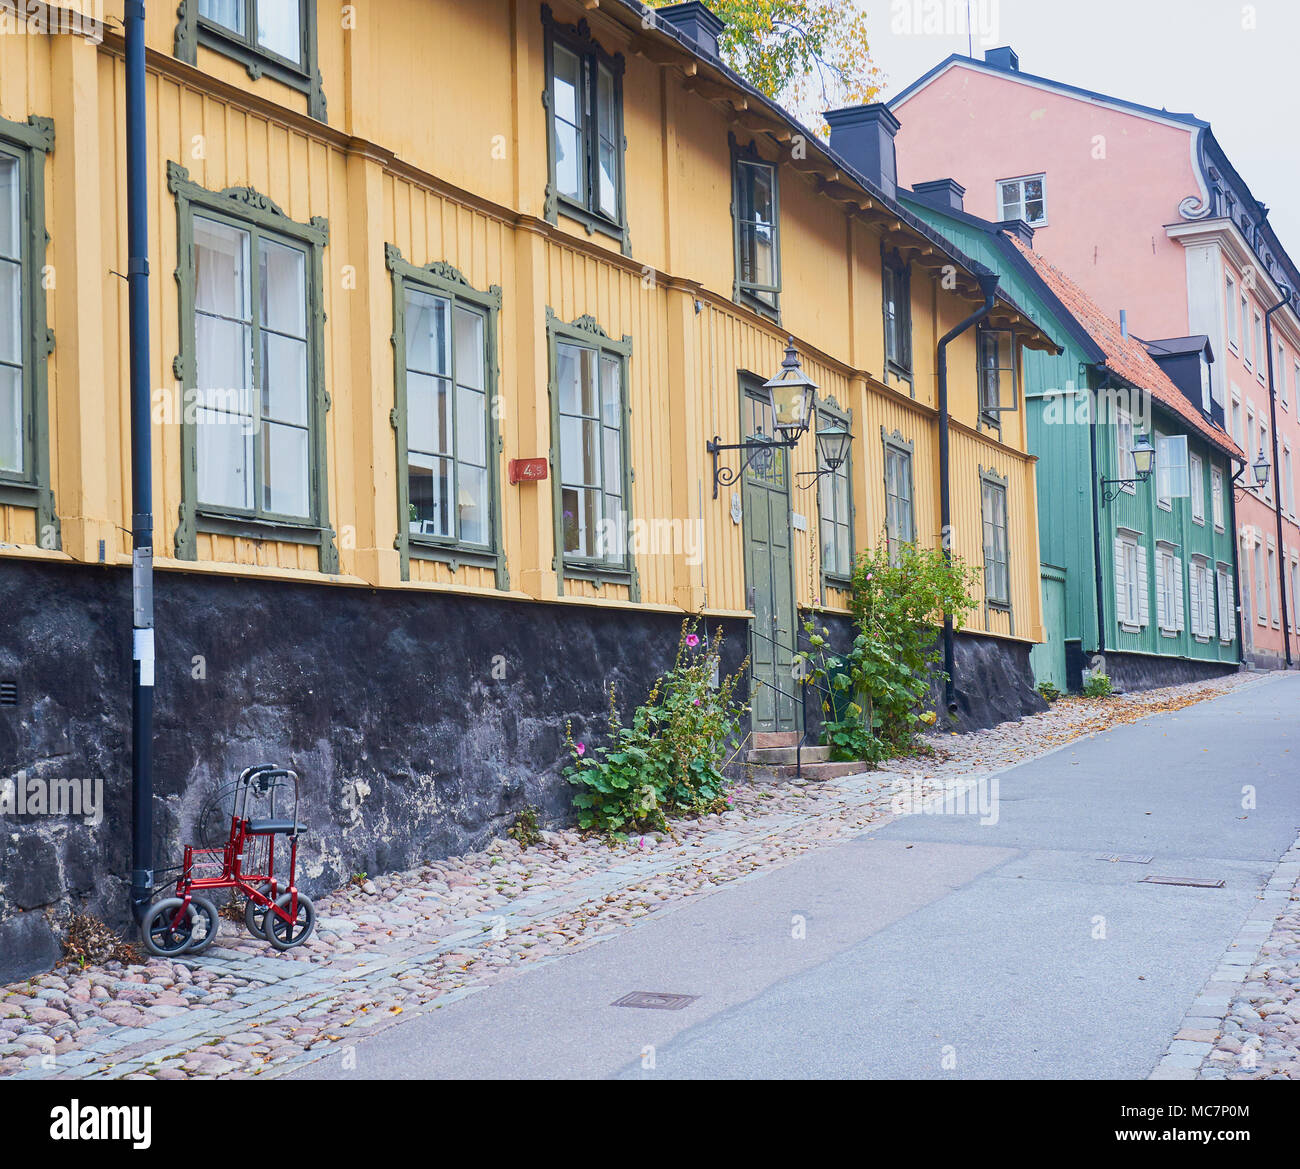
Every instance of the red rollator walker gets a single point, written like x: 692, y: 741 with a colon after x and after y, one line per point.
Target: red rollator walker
x: 187, y: 922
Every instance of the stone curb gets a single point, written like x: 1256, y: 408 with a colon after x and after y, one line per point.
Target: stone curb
x: 1205, y: 1018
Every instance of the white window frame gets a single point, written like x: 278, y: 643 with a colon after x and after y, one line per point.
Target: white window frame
x: 1227, y: 617
x: 1020, y: 202
x: 1261, y: 353
x: 1261, y: 585
x: 1230, y: 303
x: 1124, y: 433
x: 1196, y: 475
x: 1129, y: 557
x: 1217, y: 499
x: 1274, y: 612
x: 1201, y: 616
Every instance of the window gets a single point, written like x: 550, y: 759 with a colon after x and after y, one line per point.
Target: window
x: 1261, y: 586
x: 1024, y: 198
x: 997, y: 373
x: 589, y: 448
x: 1272, y: 588
x: 1295, y: 384
x: 1261, y: 354
x: 1280, y: 374
x: 1216, y: 497
x: 272, y: 38
x: 447, y: 443
x: 1294, y: 596
x: 835, y: 504
x: 1227, y: 617
x: 1230, y: 305
x: 997, y: 574
x: 1267, y: 490
x: 755, y: 202
x: 1245, y: 330
x: 1130, y: 582
x: 1288, y: 481
x: 24, y: 340
x: 252, y: 346
x: 1196, y: 471
x: 584, y: 100
x: 897, y: 301
x: 1171, y: 469
x: 1238, y: 434
x: 1206, y: 382
x: 900, y: 517
x: 1169, y: 590
x: 1202, y: 598
x: 1251, y: 445
x: 1125, y: 469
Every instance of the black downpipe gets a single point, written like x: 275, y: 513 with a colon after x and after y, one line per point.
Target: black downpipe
x: 142, y: 685
x: 989, y: 287
x: 1100, y: 582
x: 1277, y: 466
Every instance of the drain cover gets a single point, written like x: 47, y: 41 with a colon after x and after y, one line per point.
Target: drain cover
x: 1128, y: 858
x: 1192, y: 882
x: 650, y: 1000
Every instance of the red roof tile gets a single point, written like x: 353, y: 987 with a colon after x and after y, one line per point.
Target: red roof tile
x: 1125, y: 356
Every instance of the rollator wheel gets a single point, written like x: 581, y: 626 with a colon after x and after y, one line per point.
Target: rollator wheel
x: 205, y: 924
x: 255, y: 914
x: 162, y: 935
x: 284, y: 935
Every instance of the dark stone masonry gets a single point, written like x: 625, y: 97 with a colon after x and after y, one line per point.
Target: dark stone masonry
x: 420, y: 723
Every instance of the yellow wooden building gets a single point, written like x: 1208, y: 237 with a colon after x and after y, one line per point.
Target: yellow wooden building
x: 399, y: 250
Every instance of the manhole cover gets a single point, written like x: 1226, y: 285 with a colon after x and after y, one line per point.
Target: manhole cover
x: 649, y: 1000
x: 1191, y: 882
x: 1128, y: 858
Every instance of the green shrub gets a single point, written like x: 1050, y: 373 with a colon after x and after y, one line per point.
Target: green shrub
x: 1098, y: 685
x: 1048, y: 692
x: 666, y: 761
x: 898, y: 605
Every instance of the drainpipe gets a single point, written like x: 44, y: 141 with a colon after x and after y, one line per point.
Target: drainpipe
x: 1100, y: 582
x: 137, y: 188
x: 1277, y: 466
x: 1236, y: 572
x: 988, y: 282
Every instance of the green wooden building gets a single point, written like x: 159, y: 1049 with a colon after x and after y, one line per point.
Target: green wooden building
x: 1139, y: 574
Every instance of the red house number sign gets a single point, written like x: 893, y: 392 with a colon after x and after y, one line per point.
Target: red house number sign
x: 528, y: 470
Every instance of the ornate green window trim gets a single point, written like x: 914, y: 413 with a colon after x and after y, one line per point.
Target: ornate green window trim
x: 836, y: 507
x: 245, y: 209
x: 896, y: 308
x: 593, y: 60
x: 996, y: 519
x: 27, y: 144
x: 747, y: 167
x: 900, y: 491
x: 193, y: 30
x: 586, y: 334
x: 444, y: 281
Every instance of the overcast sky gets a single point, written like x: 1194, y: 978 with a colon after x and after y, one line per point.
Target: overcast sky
x: 1189, y: 56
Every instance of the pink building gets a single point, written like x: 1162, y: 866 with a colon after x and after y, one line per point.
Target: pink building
x: 1143, y: 208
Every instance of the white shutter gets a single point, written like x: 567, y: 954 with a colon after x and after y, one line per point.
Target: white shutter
x: 1197, y: 631
x: 1121, y: 583
x: 1162, y: 618
x: 1179, y: 609
x: 1144, y: 598
x: 1230, y: 610
x: 1213, y: 630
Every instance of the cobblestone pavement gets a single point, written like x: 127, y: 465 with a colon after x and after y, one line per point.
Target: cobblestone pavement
x: 421, y: 939
x: 1245, y: 1024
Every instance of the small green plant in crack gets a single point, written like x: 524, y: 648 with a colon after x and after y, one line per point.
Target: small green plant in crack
x: 525, y: 831
x: 359, y: 879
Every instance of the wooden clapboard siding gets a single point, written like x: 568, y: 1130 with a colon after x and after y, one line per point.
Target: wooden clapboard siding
x: 448, y: 165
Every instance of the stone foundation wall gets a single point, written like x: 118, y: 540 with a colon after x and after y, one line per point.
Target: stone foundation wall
x: 420, y: 723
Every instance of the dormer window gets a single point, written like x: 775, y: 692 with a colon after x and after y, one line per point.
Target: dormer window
x: 1024, y: 198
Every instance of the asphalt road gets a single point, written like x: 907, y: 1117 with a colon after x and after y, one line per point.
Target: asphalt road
x: 937, y: 947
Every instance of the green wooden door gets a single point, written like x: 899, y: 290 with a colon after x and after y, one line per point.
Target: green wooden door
x: 1048, y: 659
x: 769, y: 572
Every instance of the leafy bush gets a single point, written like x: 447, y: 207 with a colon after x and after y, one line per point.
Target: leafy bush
x: 666, y: 761
x: 1048, y: 692
x: 898, y: 605
x: 1098, y: 685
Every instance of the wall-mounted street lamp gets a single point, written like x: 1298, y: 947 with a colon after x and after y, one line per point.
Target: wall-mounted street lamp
x: 833, y: 447
x: 792, y: 396
x: 1144, y: 465
x: 1260, y: 468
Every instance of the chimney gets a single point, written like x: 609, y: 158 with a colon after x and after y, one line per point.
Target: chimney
x: 864, y: 137
x: 1020, y: 229
x: 697, y: 24
x: 946, y: 194
x: 1004, y: 58
x: 1123, y: 322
